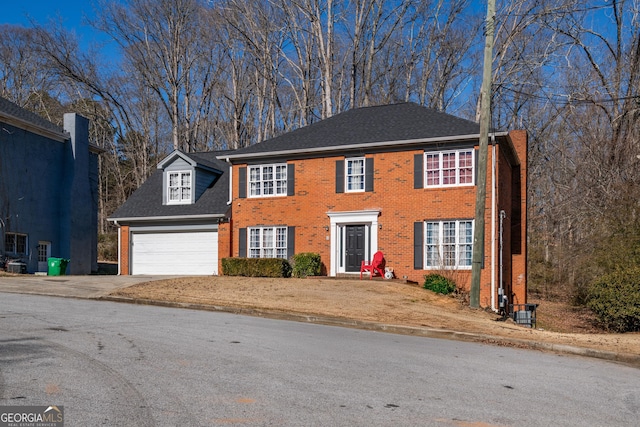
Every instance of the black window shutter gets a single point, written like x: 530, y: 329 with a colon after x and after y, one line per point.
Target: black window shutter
x: 368, y: 179
x: 242, y: 183
x: 418, y: 171
x: 418, y: 246
x: 291, y: 241
x: 242, y: 244
x: 291, y: 185
x: 339, y: 176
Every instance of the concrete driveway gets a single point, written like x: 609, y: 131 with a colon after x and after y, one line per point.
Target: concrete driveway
x: 70, y: 286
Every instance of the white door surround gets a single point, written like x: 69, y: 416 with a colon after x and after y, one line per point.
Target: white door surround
x: 338, y: 220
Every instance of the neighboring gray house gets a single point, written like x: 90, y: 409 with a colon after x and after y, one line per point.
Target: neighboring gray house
x: 48, y: 191
x: 170, y: 224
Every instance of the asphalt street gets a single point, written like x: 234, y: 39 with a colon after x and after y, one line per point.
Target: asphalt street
x: 121, y: 364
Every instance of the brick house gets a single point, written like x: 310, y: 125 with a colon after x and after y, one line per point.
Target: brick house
x: 398, y: 179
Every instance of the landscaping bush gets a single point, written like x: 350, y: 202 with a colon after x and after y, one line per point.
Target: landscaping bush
x: 439, y: 284
x: 306, y: 264
x: 256, y: 267
x: 108, y: 246
x: 615, y: 299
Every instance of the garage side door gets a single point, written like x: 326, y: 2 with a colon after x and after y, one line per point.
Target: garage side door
x: 177, y: 253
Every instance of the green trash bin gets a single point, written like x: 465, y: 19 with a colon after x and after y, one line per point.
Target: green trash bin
x: 57, y: 266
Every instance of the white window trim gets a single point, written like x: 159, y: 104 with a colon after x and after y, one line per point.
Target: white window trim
x: 441, y: 169
x: 261, y: 247
x: 440, y: 239
x: 13, y: 250
x: 277, y: 191
x: 346, y: 174
x: 181, y: 200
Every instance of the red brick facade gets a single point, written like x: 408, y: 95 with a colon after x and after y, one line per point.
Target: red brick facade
x: 391, y: 213
x: 391, y: 210
x: 124, y: 250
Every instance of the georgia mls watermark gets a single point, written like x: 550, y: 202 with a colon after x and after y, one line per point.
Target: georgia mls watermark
x: 31, y: 416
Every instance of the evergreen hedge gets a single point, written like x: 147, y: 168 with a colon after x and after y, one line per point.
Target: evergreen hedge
x: 615, y: 299
x: 306, y: 264
x: 256, y: 267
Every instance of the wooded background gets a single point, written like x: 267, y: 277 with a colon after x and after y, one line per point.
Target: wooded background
x: 203, y: 75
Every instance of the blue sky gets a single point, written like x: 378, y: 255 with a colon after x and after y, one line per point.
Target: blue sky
x: 18, y: 12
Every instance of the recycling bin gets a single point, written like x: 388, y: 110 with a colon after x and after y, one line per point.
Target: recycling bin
x: 57, y: 266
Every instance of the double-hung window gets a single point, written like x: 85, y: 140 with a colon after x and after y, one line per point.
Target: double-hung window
x: 355, y: 174
x: 448, y: 244
x: 268, y: 242
x: 448, y: 168
x: 268, y: 180
x: 15, y: 244
x: 179, y: 187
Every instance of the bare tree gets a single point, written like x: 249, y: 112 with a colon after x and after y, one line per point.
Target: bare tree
x: 166, y: 44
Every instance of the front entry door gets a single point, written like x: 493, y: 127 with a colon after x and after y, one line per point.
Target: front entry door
x: 355, y: 247
x: 44, y: 252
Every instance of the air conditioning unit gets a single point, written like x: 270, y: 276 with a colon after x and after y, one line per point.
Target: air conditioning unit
x: 17, y: 267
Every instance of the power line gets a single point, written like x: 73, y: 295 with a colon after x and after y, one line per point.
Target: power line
x: 569, y: 100
x: 553, y: 12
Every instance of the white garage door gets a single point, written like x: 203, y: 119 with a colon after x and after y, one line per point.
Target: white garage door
x: 179, y: 253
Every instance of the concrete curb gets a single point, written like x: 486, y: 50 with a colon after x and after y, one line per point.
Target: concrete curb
x: 629, y: 359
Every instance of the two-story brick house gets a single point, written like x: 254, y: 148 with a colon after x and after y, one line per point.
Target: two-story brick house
x: 397, y: 178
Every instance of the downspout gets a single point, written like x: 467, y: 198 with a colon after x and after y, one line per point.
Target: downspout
x: 230, y: 182
x: 119, y: 244
x: 493, y: 222
x: 501, y: 288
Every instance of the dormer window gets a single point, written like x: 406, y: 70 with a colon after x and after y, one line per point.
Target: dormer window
x: 179, y: 187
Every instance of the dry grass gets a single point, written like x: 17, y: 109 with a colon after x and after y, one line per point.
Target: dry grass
x: 389, y: 302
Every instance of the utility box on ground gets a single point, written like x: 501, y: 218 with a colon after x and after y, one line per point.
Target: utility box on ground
x: 524, y: 314
x: 17, y: 267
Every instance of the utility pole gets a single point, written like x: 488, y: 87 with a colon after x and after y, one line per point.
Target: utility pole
x: 481, y: 189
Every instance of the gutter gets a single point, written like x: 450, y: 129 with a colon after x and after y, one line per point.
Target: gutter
x: 359, y: 146
x: 116, y: 221
x: 60, y: 136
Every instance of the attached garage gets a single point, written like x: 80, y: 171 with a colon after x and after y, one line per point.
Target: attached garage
x: 169, y: 226
x: 174, y: 252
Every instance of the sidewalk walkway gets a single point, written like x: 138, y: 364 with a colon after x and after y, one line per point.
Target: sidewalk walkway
x: 92, y: 287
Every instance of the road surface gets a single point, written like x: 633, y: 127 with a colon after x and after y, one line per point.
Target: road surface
x: 116, y: 364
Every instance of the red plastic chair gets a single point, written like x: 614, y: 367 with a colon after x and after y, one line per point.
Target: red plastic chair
x: 375, y: 266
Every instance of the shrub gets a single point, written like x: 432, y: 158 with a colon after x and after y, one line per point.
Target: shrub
x: 439, y: 284
x: 306, y: 264
x: 256, y: 267
x: 615, y: 299
x: 108, y: 246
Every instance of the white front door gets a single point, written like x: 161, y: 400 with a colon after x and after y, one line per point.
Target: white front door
x: 44, y: 252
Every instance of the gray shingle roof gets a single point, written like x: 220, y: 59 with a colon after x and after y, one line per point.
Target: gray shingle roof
x: 146, y: 201
x: 20, y: 113
x: 387, y: 123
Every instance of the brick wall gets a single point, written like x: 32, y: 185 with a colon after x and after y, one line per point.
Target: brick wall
x: 225, y: 247
x: 399, y: 203
x: 519, y: 227
x: 124, y: 250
